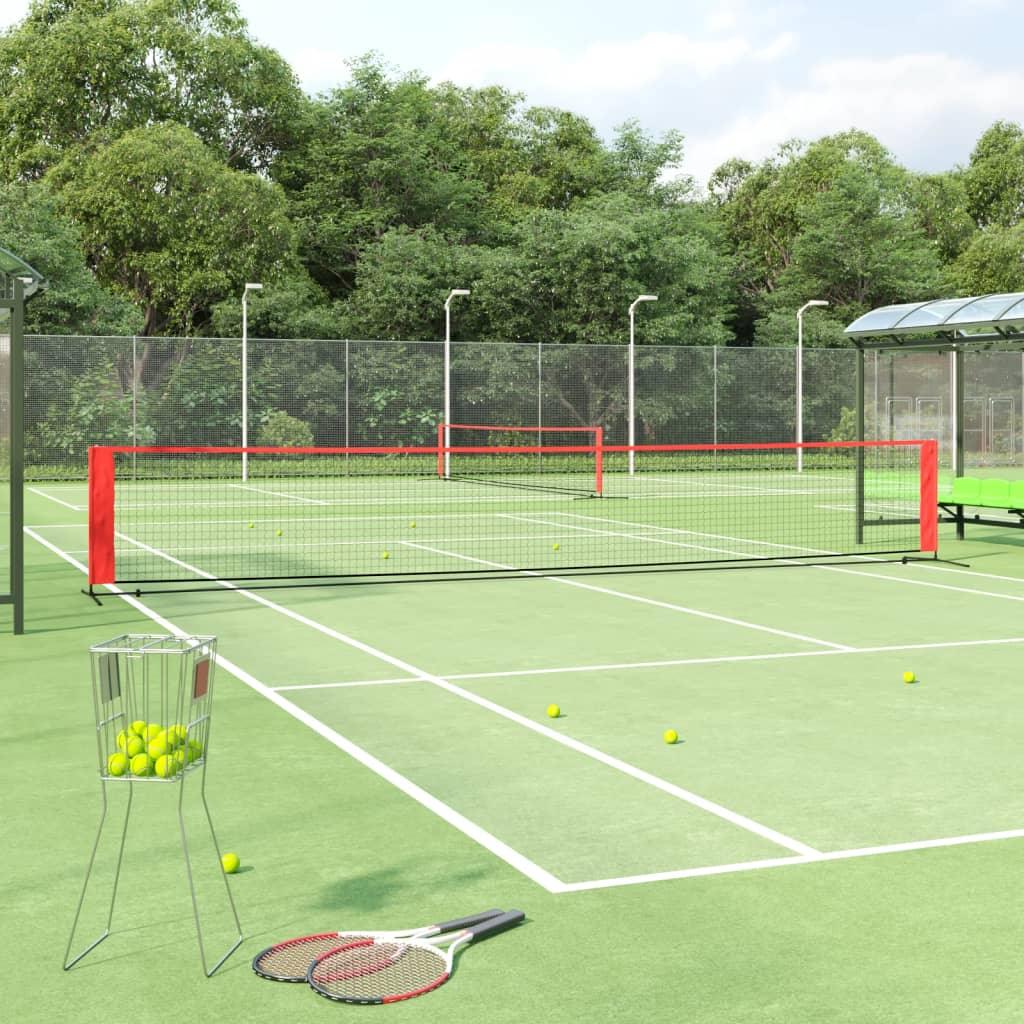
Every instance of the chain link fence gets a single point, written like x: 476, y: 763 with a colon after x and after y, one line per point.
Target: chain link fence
x: 88, y: 390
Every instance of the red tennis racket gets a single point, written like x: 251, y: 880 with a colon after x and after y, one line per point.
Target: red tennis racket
x: 291, y: 960
x: 381, y: 969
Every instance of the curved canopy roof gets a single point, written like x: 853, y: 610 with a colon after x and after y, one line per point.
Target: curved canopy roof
x: 1000, y: 315
x: 12, y: 266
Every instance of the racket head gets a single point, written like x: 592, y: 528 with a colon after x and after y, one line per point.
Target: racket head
x: 389, y: 970
x: 290, y: 961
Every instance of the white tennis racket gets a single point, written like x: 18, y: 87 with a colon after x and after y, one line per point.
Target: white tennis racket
x: 291, y: 960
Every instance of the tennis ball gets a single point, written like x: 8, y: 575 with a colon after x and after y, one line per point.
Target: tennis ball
x: 555, y: 546
x: 158, y: 747
x: 385, y: 554
x: 135, y: 745
x: 151, y: 731
x: 141, y: 765
x: 230, y: 863
x: 252, y: 526
x: 554, y: 711
x: 117, y: 764
x: 909, y: 677
x: 165, y: 766
x: 195, y: 750
x: 670, y: 736
x: 178, y: 732
x: 280, y: 533
x: 139, y: 728
x: 412, y: 525
x: 179, y: 758
x: 122, y: 738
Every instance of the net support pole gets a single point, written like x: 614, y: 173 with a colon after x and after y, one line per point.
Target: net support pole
x: 631, y: 388
x: 859, y: 503
x: 958, y: 428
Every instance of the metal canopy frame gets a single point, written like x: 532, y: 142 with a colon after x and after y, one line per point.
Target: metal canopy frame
x: 18, y: 283
x: 973, y: 324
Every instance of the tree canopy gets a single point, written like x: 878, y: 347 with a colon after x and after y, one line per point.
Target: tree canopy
x: 156, y: 157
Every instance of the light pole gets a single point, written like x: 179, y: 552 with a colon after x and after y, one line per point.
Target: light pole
x: 250, y: 287
x: 632, y: 376
x: 800, y: 379
x: 448, y: 375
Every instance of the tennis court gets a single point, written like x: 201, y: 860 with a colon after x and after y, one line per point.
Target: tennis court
x: 825, y: 842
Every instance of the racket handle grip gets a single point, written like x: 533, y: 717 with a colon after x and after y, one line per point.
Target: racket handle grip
x: 497, y: 924
x: 465, y: 922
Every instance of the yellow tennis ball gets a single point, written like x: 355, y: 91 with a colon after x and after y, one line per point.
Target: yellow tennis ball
x: 670, y: 736
x: 179, y: 732
x: 554, y: 711
x: 280, y: 533
x: 385, y: 554
x: 135, y: 745
x: 122, y: 738
x: 179, y: 757
x: 139, y: 728
x: 555, y: 546
x: 909, y: 677
x: 412, y: 525
x: 141, y: 765
x: 117, y: 764
x: 151, y: 731
x: 165, y: 766
x: 195, y: 750
x: 230, y: 863
x: 252, y: 526
x: 158, y: 747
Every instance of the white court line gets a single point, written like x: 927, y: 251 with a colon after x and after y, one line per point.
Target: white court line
x: 822, y: 568
x: 566, y: 581
x: 50, y: 497
x: 733, y: 817
x: 777, y: 862
x: 278, y: 494
x: 485, y: 839
x: 489, y: 842
x: 668, y: 663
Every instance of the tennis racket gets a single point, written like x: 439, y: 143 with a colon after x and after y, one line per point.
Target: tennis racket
x: 291, y: 960
x: 381, y: 969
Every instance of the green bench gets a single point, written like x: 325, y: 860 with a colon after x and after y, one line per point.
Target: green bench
x: 982, y: 492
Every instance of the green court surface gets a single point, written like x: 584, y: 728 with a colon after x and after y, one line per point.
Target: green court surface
x: 826, y: 843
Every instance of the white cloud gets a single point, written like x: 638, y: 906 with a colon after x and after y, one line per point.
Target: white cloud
x: 617, y: 67
x: 912, y: 104
x: 318, y: 68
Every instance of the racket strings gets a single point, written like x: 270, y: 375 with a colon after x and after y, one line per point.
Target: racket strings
x: 377, y: 971
x: 290, y: 961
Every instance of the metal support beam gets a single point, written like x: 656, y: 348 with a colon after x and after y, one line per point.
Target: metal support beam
x: 859, y: 502
x: 17, y: 408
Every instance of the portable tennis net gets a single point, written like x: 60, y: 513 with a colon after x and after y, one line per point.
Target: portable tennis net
x: 179, y: 515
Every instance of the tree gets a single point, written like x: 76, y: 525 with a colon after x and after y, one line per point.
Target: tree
x: 165, y: 222
x: 73, y: 302
x: 994, y: 179
x: 858, y: 247
x: 75, y: 69
x: 993, y: 262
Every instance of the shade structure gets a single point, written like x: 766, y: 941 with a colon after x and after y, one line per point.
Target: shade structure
x: 18, y: 282
x: 958, y: 325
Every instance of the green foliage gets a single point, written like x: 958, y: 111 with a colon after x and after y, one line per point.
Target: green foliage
x: 994, y: 179
x: 993, y: 262
x: 72, y: 71
x: 167, y: 223
x: 279, y: 430
x: 73, y: 302
x: 82, y: 409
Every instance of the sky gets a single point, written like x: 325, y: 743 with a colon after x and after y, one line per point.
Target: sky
x: 736, y: 78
